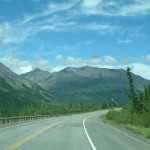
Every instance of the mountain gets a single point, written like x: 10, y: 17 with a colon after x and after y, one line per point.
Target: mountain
x: 86, y: 85
x: 16, y: 91
x: 37, y: 75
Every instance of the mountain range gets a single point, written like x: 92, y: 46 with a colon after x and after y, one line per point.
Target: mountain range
x: 86, y: 85
x: 16, y: 91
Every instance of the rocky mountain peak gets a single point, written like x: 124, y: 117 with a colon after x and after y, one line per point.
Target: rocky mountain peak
x: 5, y: 71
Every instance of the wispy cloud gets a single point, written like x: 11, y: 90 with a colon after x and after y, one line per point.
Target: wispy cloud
x: 19, y: 30
x: 102, y: 28
x: 59, y: 7
x: 14, y: 33
x: 89, y: 42
x: 67, y: 48
x: 49, y: 28
x: 96, y: 7
x: 109, y: 60
x: 116, y: 8
x: 50, y: 19
x: 137, y: 7
x: 2, y: 35
x: 147, y: 58
x: 126, y: 41
x: 50, y: 10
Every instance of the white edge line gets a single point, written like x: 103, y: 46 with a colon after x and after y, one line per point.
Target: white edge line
x: 22, y: 124
x: 93, y: 147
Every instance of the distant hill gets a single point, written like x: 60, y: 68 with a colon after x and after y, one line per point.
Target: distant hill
x: 16, y: 91
x: 86, y: 85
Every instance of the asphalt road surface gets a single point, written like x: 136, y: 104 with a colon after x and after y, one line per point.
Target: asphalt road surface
x: 74, y: 132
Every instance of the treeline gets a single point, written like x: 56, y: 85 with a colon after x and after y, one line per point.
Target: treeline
x: 54, y: 110
x: 45, y: 109
x: 4, y: 113
x: 136, y: 114
x: 140, y: 102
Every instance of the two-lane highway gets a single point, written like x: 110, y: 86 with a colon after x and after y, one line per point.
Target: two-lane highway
x: 74, y: 132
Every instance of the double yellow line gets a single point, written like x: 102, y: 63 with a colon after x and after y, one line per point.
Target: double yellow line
x: 12, y: 147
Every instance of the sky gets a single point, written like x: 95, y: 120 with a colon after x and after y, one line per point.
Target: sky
x: 54, y: 34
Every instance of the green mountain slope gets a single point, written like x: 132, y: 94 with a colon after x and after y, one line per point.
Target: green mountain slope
x: 86, y: 85
x: 16, y: 92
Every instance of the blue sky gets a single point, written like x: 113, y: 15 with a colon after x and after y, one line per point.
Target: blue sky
x: 54, y: 34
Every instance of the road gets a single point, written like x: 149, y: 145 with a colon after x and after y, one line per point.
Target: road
x: 74, y: 132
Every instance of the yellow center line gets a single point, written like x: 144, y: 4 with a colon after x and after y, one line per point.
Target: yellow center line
x: 12, y: 147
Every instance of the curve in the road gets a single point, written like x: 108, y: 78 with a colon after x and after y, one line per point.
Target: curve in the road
x: 79, y: 131
x: 12, y: 147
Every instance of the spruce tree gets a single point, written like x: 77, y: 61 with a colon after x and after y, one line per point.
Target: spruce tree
x: 131, y: 93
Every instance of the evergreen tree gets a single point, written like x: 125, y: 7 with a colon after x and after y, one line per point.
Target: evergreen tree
x: 141, y: 102
x: 44, y: 110
x: 131, y: 93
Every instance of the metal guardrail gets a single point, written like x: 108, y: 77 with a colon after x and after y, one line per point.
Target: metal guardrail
x: 21, y: 118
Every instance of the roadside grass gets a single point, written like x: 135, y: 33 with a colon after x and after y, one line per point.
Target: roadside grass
x: 138, y: 123
x: 135, y: 115
x: 139, y: 130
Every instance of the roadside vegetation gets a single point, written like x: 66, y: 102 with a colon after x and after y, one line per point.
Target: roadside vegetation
x: 45, y: 109
x: 135, y: 115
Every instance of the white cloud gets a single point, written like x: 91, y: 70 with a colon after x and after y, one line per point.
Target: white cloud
x: 14, y: 33
x: 127, y: 41
x: 20, y: 31
x: 2, y: 35
x: 58, y: 26
x: 89, y: 42
x: 138, y: 7
x: 90, y: 3
x: 98, y: 26
x: 147, y: 57
x: 142, y: 70
x: 67, y: 48
x: 49, y: 27
x: 102, y: 28
x: 58, y: 7
x: 15, y: 64
x: 51, y: 19
x: 19, y: 66
x: 28, y: 18
x: 113, y: 8
x: 78, y: 62
x: 51, y: 9
x: 5, y: 31
x: 94, y: 7
x: 59, y: 57
x: 25, y: 69
x: 42, y: 62
x: 109, y: 60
